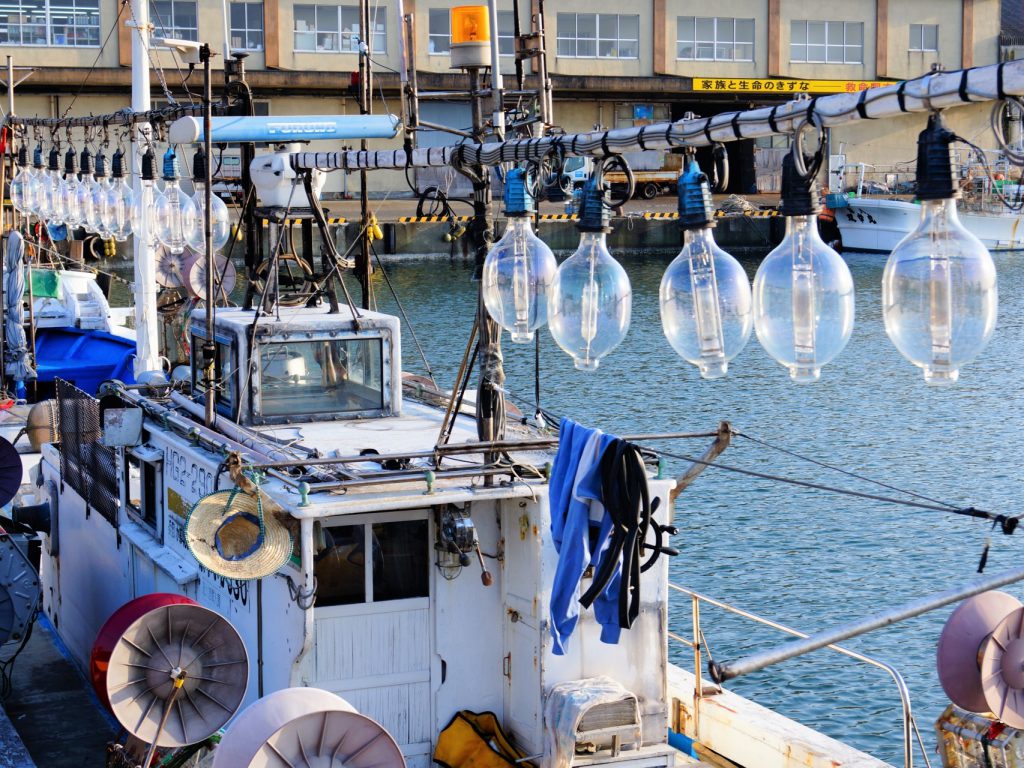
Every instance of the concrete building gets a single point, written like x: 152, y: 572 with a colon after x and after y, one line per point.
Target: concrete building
x: 611, y: 65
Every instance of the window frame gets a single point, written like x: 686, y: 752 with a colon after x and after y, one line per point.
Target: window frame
x: 829, y: 27
x: 436, y: 13
x: 47, y: 24
x: 715, y: 42
x: 160, y: 25
x: 920, y: 38
x: 598, y: 37
x: 150, y: 463
x: 345, y: 40
x: 248, y: 29
x: 368, y: 604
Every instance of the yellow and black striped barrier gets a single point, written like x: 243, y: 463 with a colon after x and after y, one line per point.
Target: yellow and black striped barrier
x: 430, y: 219
x: 718, y: 214
x: 558, y: 217
x: 290, y: 222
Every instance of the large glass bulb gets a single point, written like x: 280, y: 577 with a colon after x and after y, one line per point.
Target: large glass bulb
x: 175, y: 216
x: 939, y: 294
x: 86, y: 191
x: 143, y: 205
x: 50, y: 197
x: 69, y: 201
x: 101, y: 199
x: 517, y: 278
x: 803, y: 301
x: 706, y: 304
x: 219, y: 216
x: 23, y: 184
x: 591, y: 301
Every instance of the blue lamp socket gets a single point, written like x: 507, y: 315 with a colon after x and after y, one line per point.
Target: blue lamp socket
x: 518, y: 200
x: 695, y: 207
x: 593, y: 213
x: 170, y: 165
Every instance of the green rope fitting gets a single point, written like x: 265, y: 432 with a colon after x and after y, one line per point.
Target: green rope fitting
x: 429, y: 477
x: 661, y: 468
x: 304, y: 494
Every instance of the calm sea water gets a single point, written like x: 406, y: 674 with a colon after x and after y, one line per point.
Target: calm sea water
x: 803, y: 557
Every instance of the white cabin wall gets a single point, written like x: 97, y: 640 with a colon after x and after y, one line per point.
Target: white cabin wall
x: 93, y: 573
x: 639, y: 661
x: 468, y: 622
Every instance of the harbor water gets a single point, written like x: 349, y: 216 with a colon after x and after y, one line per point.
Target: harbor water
x: 803, y: 557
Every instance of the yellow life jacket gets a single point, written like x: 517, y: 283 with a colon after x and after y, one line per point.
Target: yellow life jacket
x: 476, y: 740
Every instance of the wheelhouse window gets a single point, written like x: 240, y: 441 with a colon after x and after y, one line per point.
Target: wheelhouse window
x: 717, y: 38
x: 247, y: 26
x: 399, y: 566
x: 74, y: 23
x: 226, y: 369
x: 175, y: 19
x: 827, y: 42
x: 143, y: 485
x: 325, y: 377
x: 336, y: 29
x: 598, y: 35
x: 506, y: 33
x: 924, y: 37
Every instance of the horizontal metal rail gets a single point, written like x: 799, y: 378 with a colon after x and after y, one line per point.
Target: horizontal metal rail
x: 909, y: 726
x: 928, y: 93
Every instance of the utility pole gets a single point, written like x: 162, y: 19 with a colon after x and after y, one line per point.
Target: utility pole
x: 364, y: 268
x: 147, y: 356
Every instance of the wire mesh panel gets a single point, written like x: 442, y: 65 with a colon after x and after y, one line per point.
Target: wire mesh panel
x: 87, y: 465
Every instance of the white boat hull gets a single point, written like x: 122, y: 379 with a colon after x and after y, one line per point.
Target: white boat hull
x: 876, y: 225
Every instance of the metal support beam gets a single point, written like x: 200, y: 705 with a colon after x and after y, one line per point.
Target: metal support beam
x: 720, y: 672
x: 722, y: 440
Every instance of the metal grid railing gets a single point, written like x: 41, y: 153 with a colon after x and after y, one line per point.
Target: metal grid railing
x: 88, y: 466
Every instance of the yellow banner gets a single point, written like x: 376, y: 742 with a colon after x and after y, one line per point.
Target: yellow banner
x: 778, y: 85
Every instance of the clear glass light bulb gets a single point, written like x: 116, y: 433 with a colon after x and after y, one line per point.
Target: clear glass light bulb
x: 101, y: 206
x: 86, y: 191
x: 70, y: 210
x: 175, y: 216
x: 803, y: 301
x: 220, y: 218
x: 591, y: 301
x: 23, y: 186
x: 517, y: 278
x: 706, y: 304
x: 939, y: 294
x: 143, y: 206
x: 51, y: 208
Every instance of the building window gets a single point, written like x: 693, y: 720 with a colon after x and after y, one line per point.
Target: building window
x: 714, y: 39
x: 598, y: 35
x: 637, y: 115
x: 924, y: 37
x: 247, y: 26
x: 175, y: 19
x: 827, y: 42
x: 439, y: 39
x: 50, y: 22
x: 335, y: 28
x: 506, y: 33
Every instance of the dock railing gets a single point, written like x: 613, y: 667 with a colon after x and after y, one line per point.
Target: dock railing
x: 698, y: 645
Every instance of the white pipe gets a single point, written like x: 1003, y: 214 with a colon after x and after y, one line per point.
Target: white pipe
x: 934, y: 91
x: 497, y: 84
x: 308, y: 625
x: 147, y: 355
x: 226, y: 9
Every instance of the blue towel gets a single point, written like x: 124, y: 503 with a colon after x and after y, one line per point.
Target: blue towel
x: 571, y: 528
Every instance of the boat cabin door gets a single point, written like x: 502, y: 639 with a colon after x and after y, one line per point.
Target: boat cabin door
x: 373, y: 622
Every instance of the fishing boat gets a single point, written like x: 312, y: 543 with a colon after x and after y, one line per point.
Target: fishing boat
x: 876, y: 217
x: 371, y: 536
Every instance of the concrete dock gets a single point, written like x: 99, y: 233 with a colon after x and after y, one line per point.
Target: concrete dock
x: 53, y: 719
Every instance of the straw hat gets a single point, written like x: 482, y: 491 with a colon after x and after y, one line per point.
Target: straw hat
x: 231, y: 534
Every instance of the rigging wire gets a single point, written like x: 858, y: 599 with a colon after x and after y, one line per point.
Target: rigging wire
x: 1007, y: 523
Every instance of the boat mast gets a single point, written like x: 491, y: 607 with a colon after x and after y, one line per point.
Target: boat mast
x: 147, y: 356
